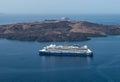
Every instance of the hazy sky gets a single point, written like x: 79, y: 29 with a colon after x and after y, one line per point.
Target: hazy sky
x: 60, y: 6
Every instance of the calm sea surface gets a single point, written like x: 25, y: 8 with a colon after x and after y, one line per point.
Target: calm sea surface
x: 20, y: 61
x: 102, y: 19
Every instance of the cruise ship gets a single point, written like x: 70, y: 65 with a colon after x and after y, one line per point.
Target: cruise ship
x: 65, y: 50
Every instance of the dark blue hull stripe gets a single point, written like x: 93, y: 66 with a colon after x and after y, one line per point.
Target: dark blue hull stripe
x: 64, y: 54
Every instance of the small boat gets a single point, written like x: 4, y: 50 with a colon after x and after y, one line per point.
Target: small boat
x: 65, y: 50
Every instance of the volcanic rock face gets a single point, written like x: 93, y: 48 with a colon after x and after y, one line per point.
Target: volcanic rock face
x: 56, y: 30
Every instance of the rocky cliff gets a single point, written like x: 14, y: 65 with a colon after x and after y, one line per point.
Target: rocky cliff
x: 57, y: 30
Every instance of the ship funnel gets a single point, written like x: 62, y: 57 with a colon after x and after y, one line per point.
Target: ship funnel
x: 85, y: 46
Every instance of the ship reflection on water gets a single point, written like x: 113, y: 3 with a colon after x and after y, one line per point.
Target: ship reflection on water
x: 66, y: 59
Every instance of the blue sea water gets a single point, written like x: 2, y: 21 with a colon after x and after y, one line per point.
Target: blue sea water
x: 20, y: 61
x: 101, y: 19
